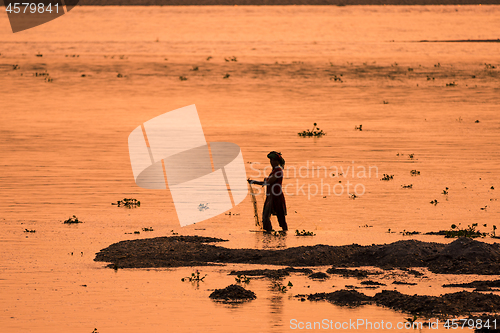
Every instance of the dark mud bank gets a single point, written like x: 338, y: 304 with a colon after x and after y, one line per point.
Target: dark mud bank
x: 463, y: 256
x: 454, y: 304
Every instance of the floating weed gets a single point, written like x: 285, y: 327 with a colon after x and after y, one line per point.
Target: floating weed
x: 304, y: 233
x: 489, y: 66
x: 470, y: 231
x: 209, y: 57
x: 28, y: 230
x: 231, y: 214
x: 437, y: 65
x: 233, y: 58
x: 278, y: 285
x: 148, y: 229
x: 195, y: 68
x: 119, y: 75
x: 72, y: 220
x: 128, y: 203
x: 434, y: 202
x: 48, y: 79
x: 359, y: 128
x: 195, y: 277
x: 414, y: 172
x: 492, y: 187
x: 445, y: 191
x: 41, y: 74
x: 353, y: 196
x: 459, y: 119
x: 407, y: 186
x: 411, y: 321
x: 410, y: 233
x: 41, y: 55
x: 95, y: 330
x: 483, y: 208
x: 226, y: 76
x: 385, y: 102
x: 366, y: 226
x: 336, y: 78
x: 429, y: 78
x: 410, y: 156
x: 410, y: 69
x: 452, y: 84
x: 387, y: 177
x: 390, y: 232
x: 137, y: 232
x: 316, y: 132
x: 477, y: 121
x: 242, y: 279
x: 182, y: 78
x: 15, y: 67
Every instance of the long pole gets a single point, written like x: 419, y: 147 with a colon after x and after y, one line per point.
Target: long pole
x: 254, y: 202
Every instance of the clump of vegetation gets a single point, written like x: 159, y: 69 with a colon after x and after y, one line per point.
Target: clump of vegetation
x: 148, y: 229
x: 386, y: 102
x: 336, y: 78
x: 445, y: 191
x: 353, y: 196
x: 129, y: 203
x: 73, y: 220
x: 304, y: 233
x: 195, y: 277
x: 477, y: 121
x: 387, y: 177
x: 489, y: 66
x: 410, y: 233
x: 209, y: 57
x: 14, y: 67
x: 119, y: 75
x: 242, y: 279
x: 195, y: 68
x: 182, y: 78
x: 278, y: 285
x: 28, y: 230
x: 434, y: 202
x: 414, y: 172
x: 452, y: 84
x: 407, y: 186
x: 316, y: 132
x: 470, y: 231
x: 359, y: 128
x: 410, y: 156
x: 226, y: 76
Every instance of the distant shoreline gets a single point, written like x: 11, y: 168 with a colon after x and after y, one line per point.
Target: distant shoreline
x: 284, y: 2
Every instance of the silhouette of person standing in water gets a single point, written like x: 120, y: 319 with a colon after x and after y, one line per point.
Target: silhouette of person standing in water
x: 275, y: 199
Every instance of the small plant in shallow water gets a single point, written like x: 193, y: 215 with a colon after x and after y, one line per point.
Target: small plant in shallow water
x: 387, y: 177
x: 434, y: 202
x: 129, y: 203
x: 195, y: 277
x: 72, y: 220
x: 242, y: 279
x: 304, y: 233
x: 445, y: 191
x: 470, y: 231
x: 414, y: 172
x: 358, y: 128
x: 316, y: 132
x: 278, y: 285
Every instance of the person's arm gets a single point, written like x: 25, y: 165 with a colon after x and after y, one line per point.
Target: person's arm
x: 256, y: 182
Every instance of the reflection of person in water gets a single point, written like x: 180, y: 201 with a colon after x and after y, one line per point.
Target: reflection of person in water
x: 275, y: 199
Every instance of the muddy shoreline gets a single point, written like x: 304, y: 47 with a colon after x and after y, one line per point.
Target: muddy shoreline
x: 463, y: 256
